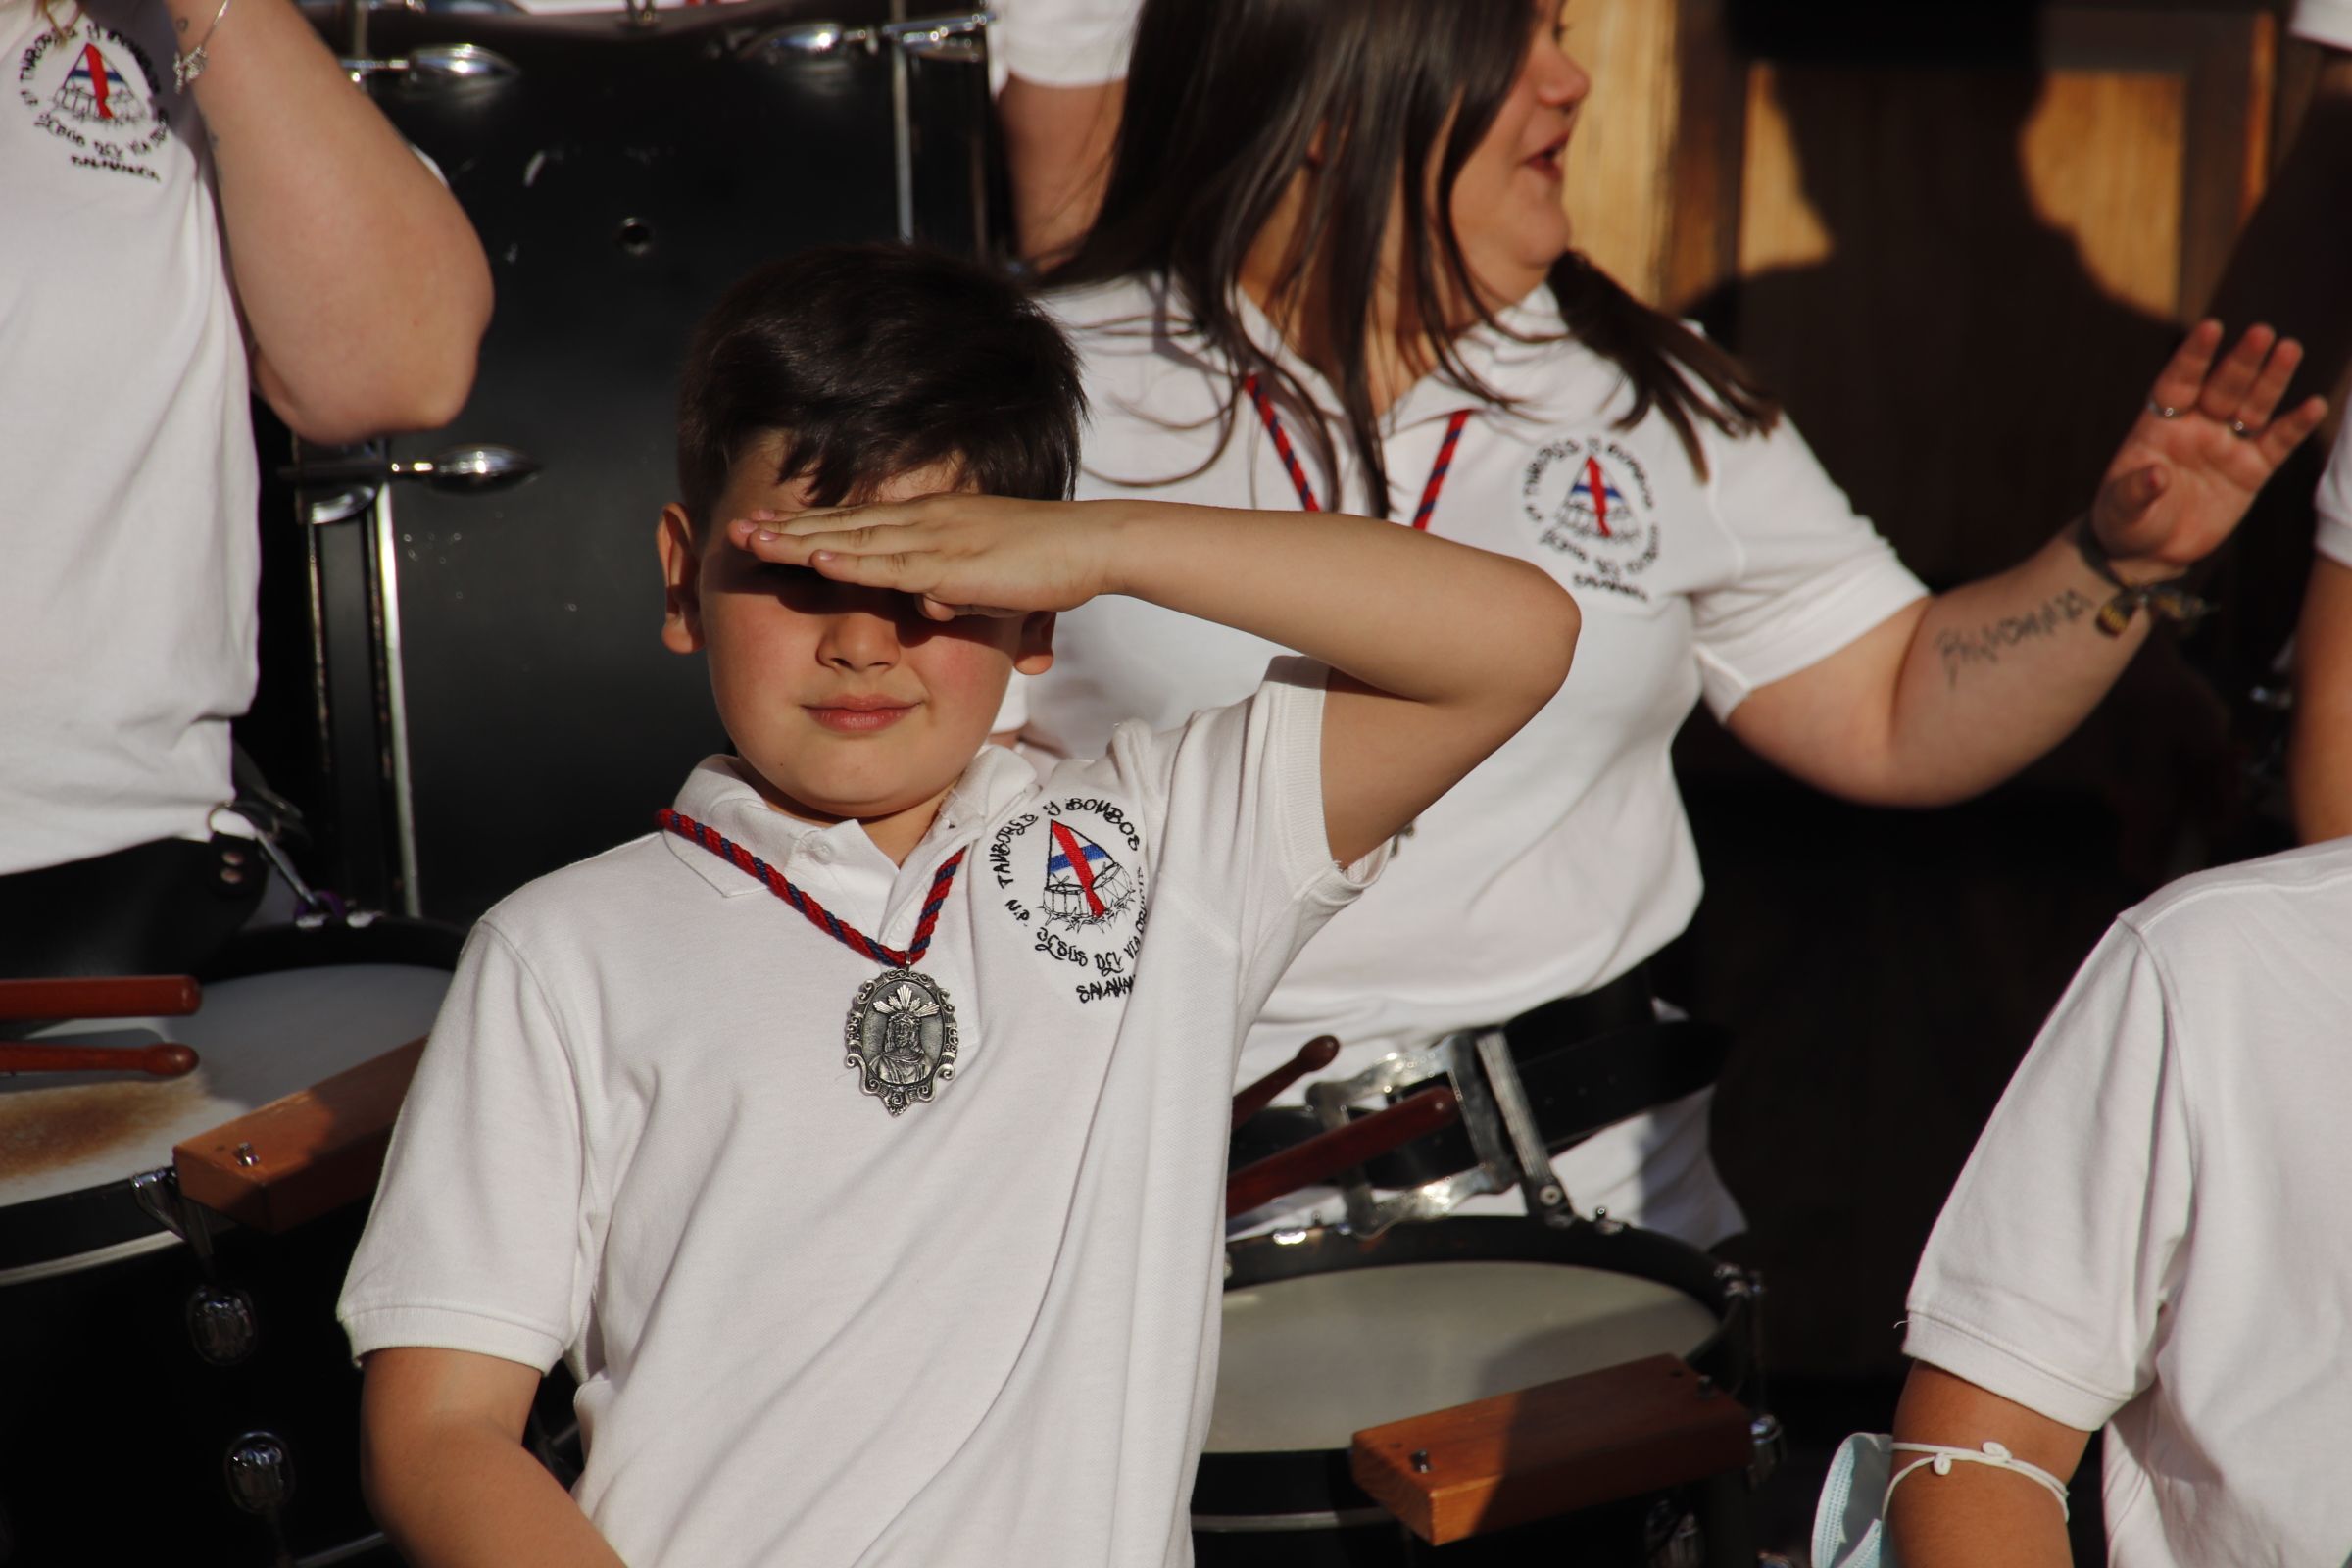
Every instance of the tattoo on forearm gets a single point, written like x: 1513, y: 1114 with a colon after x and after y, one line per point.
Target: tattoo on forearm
x: 1985, y: 644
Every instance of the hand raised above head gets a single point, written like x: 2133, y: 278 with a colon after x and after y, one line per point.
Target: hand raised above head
x: 2207, y: 442
x: 960, y: 554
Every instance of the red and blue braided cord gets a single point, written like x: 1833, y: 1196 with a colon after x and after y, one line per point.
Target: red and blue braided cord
x: 1437, y: 471
x: 1297, y: 470
x: 849, y: 936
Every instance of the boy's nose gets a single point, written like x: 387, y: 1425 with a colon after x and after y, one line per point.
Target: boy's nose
x: 857, y: 639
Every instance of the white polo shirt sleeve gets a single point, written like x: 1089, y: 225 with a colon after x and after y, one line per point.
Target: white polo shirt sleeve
x: 2047, y: 1275
x: 1811, y: 573
x: 1244, y: 849
x: 2333, y: 503
x: 2325, y: 21
x: 1064, y: 43
x: 476, y: 1241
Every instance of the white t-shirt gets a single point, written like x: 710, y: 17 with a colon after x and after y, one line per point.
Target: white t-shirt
x: 2333, y: 503
x: 1565, y: 858
x: 127, y: 481
x: 808, y: 1332
x: 2325, y: 21
x: 2152, y: 1233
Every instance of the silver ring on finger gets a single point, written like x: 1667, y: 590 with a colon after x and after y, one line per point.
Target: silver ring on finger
x: 2164, y: 410
x: 2242, y: 430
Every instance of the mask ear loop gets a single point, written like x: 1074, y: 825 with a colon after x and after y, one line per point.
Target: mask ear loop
x: 1940, y: 1461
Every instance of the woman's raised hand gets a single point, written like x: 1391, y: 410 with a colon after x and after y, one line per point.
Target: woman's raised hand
x: 958, y: 553
x: 2208, y: 440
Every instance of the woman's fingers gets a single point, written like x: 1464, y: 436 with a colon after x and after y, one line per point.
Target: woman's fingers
x: 2262, y: 397
x: 2226, y: 388
x: 2181, y: 381
x: 2287, y: 432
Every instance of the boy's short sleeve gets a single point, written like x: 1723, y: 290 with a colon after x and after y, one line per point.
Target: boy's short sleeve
x: 1243, y: 850
x: 2333, y: 503
x: 475, y: 1243
x: 2047, y: 1271
x: 1812, y: 573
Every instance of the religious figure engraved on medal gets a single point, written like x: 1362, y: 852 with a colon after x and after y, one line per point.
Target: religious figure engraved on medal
x: 901, y: 1037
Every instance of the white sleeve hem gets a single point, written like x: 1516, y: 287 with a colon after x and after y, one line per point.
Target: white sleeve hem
x: 2325, y: 21
x: 1308, y: 870
x: 2334, y: 539
x: 1862, y: 610
x: 1079, y: 54
x: 451, y: 1328
x: 2001, y: 1369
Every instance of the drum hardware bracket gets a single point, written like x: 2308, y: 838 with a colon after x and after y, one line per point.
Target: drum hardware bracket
x: 935, y: 38
x: 1546, y: 1199
x: 1453, y: 1056
x: 1771, y: 1448
x: 157, y: 1193
x: 431, y: 67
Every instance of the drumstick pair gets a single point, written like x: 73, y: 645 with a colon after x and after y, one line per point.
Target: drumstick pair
x: 148, y: 996
x: 1319, y: 1158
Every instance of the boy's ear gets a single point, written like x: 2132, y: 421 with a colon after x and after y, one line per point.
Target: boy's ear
x: 1033, y: 655
x: 681, y: 581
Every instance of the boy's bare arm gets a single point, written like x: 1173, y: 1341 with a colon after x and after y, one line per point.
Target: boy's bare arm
x: 1978, y: 1514
x: 1444, y: 651
x: 445, y: 1471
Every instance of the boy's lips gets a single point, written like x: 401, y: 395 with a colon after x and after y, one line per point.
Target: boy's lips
x: 859, y: 716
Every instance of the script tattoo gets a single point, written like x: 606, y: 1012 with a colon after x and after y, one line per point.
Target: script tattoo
x: 1985, y: 644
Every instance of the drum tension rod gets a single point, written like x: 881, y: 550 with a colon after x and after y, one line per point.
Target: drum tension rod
x: 1546, y: 1199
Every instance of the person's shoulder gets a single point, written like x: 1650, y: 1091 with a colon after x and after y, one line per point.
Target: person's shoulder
x: 561, y: 907
x: 1115, y: 310
x: 2307, y: 889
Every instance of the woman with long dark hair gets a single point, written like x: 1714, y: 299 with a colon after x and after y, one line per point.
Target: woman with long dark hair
x: 1333, y: 269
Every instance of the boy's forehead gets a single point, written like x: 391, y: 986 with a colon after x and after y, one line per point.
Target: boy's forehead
x: 752, y: 481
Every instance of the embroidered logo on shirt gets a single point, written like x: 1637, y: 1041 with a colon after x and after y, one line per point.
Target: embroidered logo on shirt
x: 1071, y: 874
x: 95, y: 91
x: 1590, y: 500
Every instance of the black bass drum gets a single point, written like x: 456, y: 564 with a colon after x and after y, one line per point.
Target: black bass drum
x: 157, y: 1406
x: 1326, y: 1333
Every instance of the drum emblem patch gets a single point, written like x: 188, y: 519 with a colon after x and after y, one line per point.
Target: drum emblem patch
x: 94, y: 92
x: 1589, y: 500
x: 1072, y: 875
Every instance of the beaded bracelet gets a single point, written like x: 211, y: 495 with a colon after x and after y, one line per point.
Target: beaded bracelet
x: 2168, y: 601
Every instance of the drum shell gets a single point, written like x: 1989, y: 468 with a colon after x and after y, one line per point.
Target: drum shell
x: 1302, y: 1508
x: 115, y: 1432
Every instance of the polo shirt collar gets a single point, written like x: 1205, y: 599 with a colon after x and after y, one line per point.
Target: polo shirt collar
x: 718, y: 794
x: 1499, y: 358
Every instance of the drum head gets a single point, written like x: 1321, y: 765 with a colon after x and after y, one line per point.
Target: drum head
x: 1309, y: 1361
x: 69, y: 1142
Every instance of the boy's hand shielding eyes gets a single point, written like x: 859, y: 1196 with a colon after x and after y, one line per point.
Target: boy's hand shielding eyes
x: 957, y: 554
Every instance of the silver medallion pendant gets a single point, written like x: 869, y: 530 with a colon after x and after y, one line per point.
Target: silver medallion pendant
x: 901, y: 1037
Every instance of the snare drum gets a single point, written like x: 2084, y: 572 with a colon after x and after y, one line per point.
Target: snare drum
x: 132, y: 1372
x: 1326, y: 1333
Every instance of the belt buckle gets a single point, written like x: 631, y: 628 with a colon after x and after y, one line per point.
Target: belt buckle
x: 1477, y: 1064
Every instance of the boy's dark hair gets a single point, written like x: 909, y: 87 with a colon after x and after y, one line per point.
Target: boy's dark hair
x: 875, y: 360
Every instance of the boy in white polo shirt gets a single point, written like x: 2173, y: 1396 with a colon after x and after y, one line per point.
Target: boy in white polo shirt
x: 2151, y: 1237
x: 859, y: 1140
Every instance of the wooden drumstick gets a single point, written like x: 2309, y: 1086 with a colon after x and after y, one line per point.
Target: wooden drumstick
x: 1313, y: 1056
x: 1326, y: 1154
x: 127, y: 996
x: 164, y: 1060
